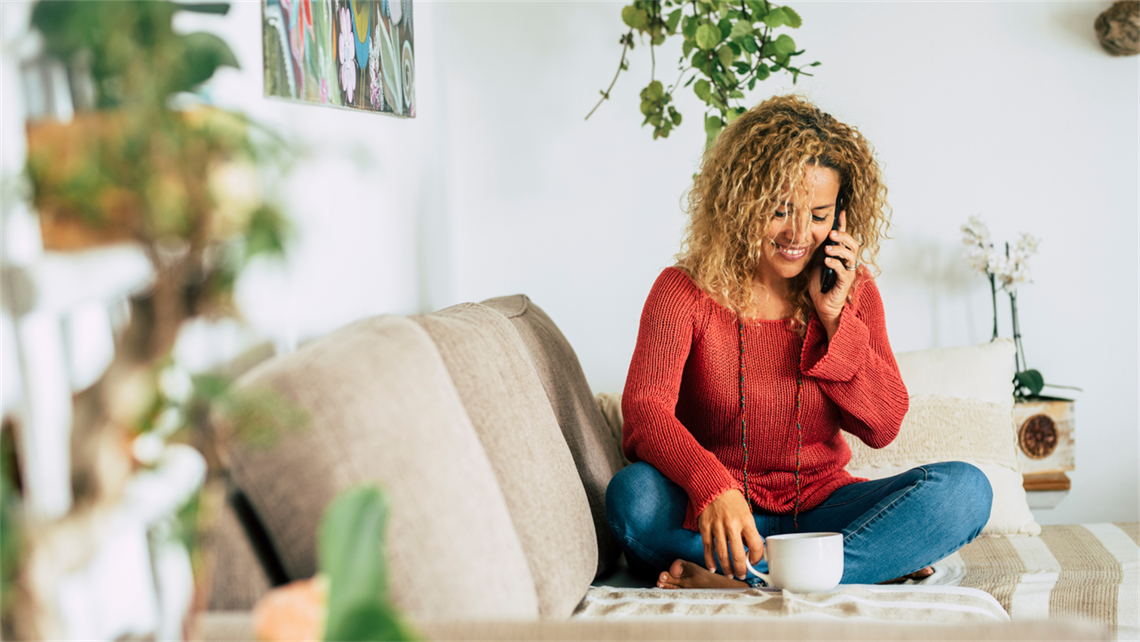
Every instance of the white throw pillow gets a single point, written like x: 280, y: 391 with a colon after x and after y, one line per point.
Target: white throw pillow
x: 961, y: 408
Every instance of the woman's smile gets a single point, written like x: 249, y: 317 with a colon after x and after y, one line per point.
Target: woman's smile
x: 791, y: 253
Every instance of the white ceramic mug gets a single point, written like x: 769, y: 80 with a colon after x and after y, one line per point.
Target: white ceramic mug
x: 803, y: 562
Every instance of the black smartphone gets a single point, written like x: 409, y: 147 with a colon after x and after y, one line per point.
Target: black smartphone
x: 827, y: 275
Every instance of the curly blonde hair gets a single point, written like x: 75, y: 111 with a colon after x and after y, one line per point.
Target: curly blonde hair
x: 745, y: 176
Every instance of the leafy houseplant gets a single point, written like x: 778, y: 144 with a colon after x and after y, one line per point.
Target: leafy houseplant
x: 728, y: 46
x: 149, y: 162
x: 1007, y: 271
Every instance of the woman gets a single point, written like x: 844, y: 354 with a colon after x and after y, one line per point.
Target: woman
x: 745, y: 373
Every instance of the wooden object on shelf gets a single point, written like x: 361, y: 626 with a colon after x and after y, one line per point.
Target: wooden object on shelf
x: 79, y: 205
x: 1046, y: 481
x: 1045, y: 435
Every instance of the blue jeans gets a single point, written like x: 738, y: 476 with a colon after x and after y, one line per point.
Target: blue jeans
x: 891, y: 526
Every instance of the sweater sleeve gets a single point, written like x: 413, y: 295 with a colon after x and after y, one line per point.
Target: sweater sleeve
x: 857, y: 369
x: 651, y: 431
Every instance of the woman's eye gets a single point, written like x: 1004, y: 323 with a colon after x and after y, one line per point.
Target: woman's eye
x: 819, y: 219
x: 780, y: 214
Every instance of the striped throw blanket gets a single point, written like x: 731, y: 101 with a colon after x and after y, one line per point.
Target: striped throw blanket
x: 897, y: 604
x: 1087, y: 571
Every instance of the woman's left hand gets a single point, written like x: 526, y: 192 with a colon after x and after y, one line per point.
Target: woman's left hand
x: 843, y: 259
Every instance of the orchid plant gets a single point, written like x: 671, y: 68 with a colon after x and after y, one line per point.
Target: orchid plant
x: 1006, y: 271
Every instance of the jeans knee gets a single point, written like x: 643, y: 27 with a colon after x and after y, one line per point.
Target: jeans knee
x: 968, y: 493
x: 631, y: 502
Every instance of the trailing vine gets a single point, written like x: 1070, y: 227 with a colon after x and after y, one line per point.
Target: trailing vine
x: 728, y: 46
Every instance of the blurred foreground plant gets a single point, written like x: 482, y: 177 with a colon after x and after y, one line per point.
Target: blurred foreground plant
x: 147, y: 160
x: 348, y: 599
x: 727, y: 47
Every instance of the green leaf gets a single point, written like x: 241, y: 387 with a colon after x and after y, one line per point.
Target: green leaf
x: 775, y: 18
x: 658, y: 40
x: 266, y: 233
x: 350, y: 548
x: 628, y: 14
x: 673, y: 20
x: 656, y: 90
x: 725, y: 26
x: 675, y: 116
x: 740, y: 29
x: 1031, y: 380
x: 217, y: 8
x: 762, y: 72
x: 690, y: 26
x: 726, y: 56
x: 791, y: 18
x: 713, y: 126
x: 634, y: 17
x: 722, y: 8
x: 784, y: 44
x: 742, y: 67
x: 708, y: 37
x: 736, y: 93
x: 702, y: 89
x: 749, y: 45
x: 758, y: 9
x: 370, y: 622
x: 204, y: 53
x: 686, y: 49
x: 646, y: 107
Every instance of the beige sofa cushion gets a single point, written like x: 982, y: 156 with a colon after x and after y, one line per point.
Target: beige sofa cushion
x: 381, y: 408
x: 961, y: 405
x: 595, y: 452
x: 512, y: 416
x: 237, y: 577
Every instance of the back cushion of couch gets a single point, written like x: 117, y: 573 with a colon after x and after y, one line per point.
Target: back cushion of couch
x: 585, y: 429
x: 510, y: 411
x: 381, y: 408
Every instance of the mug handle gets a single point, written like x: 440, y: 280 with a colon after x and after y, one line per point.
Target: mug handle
x: 764, y: 576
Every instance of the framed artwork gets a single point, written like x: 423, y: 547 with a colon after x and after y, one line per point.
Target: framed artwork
x: 356, y: 54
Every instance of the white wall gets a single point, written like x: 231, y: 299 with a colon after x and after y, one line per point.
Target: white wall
x: 1008, y: 111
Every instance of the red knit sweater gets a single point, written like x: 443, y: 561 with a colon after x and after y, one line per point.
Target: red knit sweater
x: 681, y: 404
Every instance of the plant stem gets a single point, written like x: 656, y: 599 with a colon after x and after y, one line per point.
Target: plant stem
x: 1019, y: 354
x: 621, y: 65
x: 652, y: 61
x: 993, y: 297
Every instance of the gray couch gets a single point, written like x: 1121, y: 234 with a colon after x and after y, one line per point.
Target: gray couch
x: 480, y: 425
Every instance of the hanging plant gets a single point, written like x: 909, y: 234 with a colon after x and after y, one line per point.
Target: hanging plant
x: 727, y: 47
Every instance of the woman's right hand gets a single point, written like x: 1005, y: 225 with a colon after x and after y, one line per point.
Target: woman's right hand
x: 727, y: 525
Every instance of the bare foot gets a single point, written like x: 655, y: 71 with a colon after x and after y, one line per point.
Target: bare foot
x: 917, y: 575
x: 684, y: 574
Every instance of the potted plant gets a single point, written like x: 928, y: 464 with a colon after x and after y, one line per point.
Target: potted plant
x: 154, y: 165
x: 1045, y: 424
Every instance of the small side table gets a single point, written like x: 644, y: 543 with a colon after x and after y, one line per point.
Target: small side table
x: 1046, y: 448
